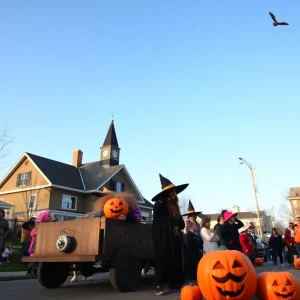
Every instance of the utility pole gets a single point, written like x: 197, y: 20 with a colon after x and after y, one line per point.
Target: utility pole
x: 273, y: 217
x: 243, y: 161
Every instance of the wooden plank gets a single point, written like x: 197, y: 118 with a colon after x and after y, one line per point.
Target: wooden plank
x: 73, y: 258
x: 85, y: 232
x: 137, y: 237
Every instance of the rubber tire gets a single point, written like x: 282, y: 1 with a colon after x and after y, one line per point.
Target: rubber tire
x: 125, y: 271
x: 52, y: 275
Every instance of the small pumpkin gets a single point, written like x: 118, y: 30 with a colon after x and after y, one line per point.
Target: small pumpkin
x: 277, y: 285
x: 297, y: 263
x: 115, y: 207
x: 259, y: 261
x: 191, y: 293
x: 225, y: 275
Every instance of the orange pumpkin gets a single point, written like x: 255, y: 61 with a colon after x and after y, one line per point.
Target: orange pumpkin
x: 115, y: 207
x: 277, y: 285
x: 297, y: 263
x: 224, y: 275
x: 191, y: 293
x: 259, y: 261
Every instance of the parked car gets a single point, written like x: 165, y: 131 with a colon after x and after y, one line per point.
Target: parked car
x: 260, y: 247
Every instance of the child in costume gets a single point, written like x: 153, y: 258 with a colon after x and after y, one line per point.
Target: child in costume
x: 6, y: 255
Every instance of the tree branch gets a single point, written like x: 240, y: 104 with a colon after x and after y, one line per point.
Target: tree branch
x: 5, y: 141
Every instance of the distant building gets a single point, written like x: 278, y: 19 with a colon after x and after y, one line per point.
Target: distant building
x: 294, y: 199
x: 37, y: 183
x: 246, y: 217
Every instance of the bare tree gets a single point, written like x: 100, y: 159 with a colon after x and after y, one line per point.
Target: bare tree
x: 285, y: 207
x: 5, y: 141
x: 266, y: 221
x: 183, y: 205
x: 33, y: 200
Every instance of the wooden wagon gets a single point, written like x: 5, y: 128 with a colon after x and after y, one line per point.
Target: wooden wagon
x: 118, y: 247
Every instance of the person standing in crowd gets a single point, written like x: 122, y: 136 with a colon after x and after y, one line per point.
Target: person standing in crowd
x: 229, y: 232
x: 217, y: 228
x: 291, y: 228
x: 194, y: 251
x: 26, y: 236
x: 4, y: 230
x: 290, y: 244
x: 296, y: 229
x: 246, y: 243
x: 209, y: 238
x: 192, y: 216
x: 167, y: 237
x: 252, y: 236
x: 276, y: 245
x: 265, y: 241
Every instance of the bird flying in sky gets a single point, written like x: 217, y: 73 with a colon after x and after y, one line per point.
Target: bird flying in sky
x: 276, y: 23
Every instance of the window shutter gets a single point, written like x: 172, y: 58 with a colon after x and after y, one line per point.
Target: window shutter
x: 29, y: 178
x: 18, y: 180
x: 123, y: 187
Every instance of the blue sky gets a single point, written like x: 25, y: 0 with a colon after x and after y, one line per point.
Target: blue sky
x: 193, y: 86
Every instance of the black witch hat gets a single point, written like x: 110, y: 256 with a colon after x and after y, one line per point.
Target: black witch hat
x: 191, y: 210
x: 166, y: 184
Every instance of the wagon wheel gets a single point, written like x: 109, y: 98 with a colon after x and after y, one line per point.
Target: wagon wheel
x: 52, y: 274
x: 125, y: 272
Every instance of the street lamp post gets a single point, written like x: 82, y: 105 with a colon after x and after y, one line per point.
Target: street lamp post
x: 243, y: 161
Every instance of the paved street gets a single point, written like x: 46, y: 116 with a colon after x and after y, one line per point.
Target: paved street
x: 100, y: 287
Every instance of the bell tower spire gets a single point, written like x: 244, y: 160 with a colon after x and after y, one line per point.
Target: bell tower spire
x: 110, y: 151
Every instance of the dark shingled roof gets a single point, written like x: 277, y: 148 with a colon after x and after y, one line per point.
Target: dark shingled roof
x: 69, y: 176
x: 147, y: 203
x: 111, y: 137
x: 57, y: 172
x: 93, y: 174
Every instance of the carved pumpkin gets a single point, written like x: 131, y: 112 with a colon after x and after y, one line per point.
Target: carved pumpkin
x: 115, y: 207
x: 225, y: 275
x: 277, y: 285
x: 297, y: 263
x: 259, y: 261
x: 191, y: 293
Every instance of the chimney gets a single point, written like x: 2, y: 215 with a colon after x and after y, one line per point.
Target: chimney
x: 77, y: 158
x: 235, y: 209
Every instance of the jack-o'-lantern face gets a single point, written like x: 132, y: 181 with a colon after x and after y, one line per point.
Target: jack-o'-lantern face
x: 277, y: 285
x: 226, y: 275
x: 115, y: 207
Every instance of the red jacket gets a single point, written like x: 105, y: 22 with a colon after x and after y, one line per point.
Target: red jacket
x: 246, y: 243
x: 288, y: 240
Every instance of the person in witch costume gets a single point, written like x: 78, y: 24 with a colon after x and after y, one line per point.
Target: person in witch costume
x: 192, y: 216
x: 167, y: 237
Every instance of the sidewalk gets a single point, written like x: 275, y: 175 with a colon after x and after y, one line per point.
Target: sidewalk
x: 13, y: 274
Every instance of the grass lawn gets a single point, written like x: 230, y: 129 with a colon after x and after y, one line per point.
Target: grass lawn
x: 15, y: 263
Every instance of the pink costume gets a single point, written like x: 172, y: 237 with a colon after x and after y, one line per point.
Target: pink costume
x: 42, y: 218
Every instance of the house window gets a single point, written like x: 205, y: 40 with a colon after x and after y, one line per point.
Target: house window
x: 61, y: 218
x: 32, y: 202
x: 69, y: 202
x: 23, y: 179
x: 120, y: 187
